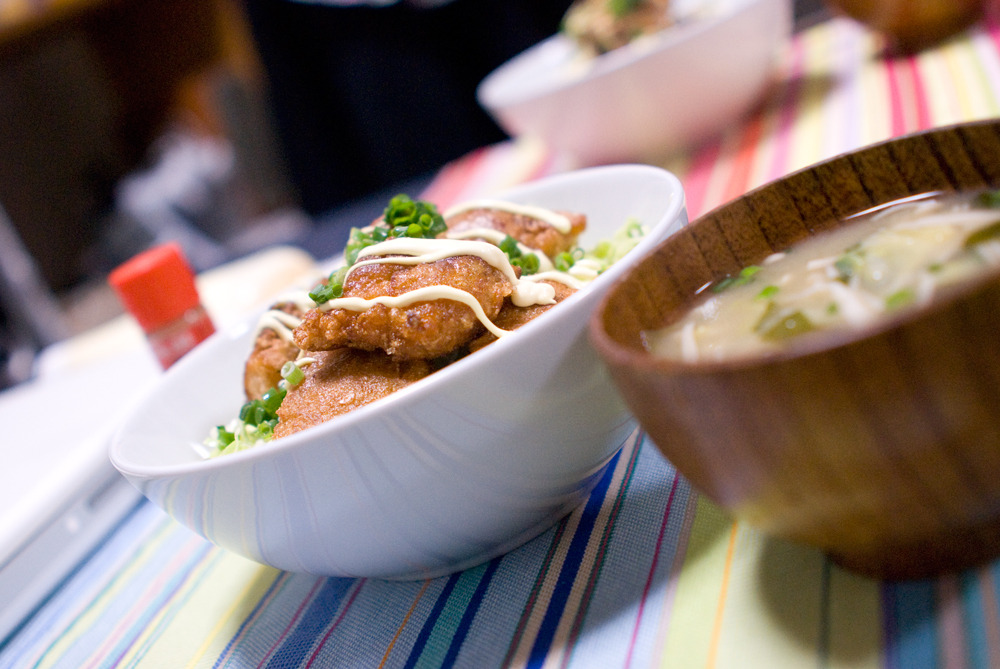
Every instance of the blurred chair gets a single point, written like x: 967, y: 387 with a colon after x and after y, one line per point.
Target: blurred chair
x: 30, y: 317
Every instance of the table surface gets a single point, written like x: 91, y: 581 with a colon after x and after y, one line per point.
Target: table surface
x: 647, y: 573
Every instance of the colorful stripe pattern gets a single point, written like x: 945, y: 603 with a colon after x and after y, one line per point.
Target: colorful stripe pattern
x: 647, y: 573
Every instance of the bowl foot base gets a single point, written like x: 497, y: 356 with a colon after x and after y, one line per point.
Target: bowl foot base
x: 949, y: 551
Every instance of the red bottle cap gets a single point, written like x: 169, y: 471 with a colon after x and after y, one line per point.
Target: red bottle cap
x: 156, y: 286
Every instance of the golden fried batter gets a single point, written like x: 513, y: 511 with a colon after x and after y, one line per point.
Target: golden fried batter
x: 530, y: 231
x: 512, y: 317
x: 340, y: 381
x: 423, y: 330
x: 270, y: 352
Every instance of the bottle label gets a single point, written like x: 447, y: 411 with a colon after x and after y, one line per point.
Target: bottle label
x: 173, y: 341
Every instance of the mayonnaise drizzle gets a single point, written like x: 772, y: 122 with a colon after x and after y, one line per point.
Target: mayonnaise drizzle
x: 526, y: 291
x: 418, y: 251
x: 557, y: 276
x: 280, y: 322
x: 496, y: 237
x: 298, y: 298
x: 555, y: 219
x: 586, y: 269
x: 415, y: 251
x: 425, y: 294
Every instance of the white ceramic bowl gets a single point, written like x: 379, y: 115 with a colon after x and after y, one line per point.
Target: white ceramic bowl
x: 648, y: 99
x: 461, y: 466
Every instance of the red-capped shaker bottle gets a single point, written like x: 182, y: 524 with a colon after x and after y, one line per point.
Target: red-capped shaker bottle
x: 157, y: 287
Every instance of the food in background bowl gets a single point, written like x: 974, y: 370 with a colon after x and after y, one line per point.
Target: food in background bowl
x: 658, y: 94
x: 879, y: 444
x: 600, y: 26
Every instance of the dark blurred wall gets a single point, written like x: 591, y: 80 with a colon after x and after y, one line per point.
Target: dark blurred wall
x: 364, y: 98
x: 84, y: 89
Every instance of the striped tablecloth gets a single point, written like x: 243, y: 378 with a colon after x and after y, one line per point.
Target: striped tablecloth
x: 648, y: 573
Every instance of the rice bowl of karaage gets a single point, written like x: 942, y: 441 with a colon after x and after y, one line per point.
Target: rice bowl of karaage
x: 445, y: 472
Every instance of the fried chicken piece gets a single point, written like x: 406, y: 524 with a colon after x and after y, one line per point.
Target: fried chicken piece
x: 270, y: 352
x: 530, y: 231
x: 422, y: 330
x: 339, y: 382
x: 512, y: 317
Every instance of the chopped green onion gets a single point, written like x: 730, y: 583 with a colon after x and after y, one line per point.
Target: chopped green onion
x: 259, y: 415
x: 256, y: 412
x: 403, y: 217
x: 256, y: 422
x: 509, y: 246
x: 767, y: 292
x: 900, y: 298
x: 360, y: 239
x: 528, y: 262
x: 323, y: 293
x: 609, y: 251
x: 271, y: 401
x: 777, y: 324
x: 620, y: 8
x: 634, y: 229
x: 791, y: 325
x: 848, y: 265
x: 744, y: 277
x: 564, y: 261
x: 292, y: 373
x: 984, y: 234
x: 332, y: 289
x: 224, y: 436
x: 265, y: 430
x: 989, y: 199
x: 416, y: 218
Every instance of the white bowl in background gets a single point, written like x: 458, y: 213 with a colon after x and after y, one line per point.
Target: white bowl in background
x: 459, y: 467
x: 646, y: 100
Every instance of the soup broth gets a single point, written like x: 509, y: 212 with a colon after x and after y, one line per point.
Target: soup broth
x: 896, y: 257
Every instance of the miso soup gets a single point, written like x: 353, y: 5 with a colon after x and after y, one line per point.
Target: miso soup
x: 892, y: 258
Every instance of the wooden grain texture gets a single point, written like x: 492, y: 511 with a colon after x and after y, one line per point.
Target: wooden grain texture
x: 882, y: 450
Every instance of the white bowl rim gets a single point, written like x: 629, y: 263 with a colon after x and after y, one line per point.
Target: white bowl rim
x: 603, y: 65
x: 465, y: 366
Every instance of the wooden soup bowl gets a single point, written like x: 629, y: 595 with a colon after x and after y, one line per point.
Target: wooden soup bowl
x: 881, y: 447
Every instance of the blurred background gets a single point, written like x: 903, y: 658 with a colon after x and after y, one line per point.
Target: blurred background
x: 228, y: 125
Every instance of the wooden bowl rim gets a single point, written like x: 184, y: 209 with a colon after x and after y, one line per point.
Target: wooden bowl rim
x: 641, y: 360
